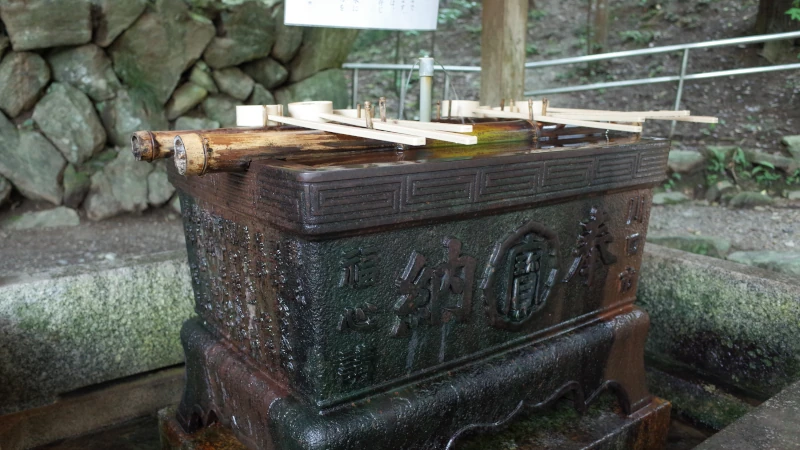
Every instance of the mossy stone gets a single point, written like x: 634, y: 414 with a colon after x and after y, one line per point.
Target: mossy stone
x: 94, y: 325
x: 750, y: 200
x: 734, y: 323
x: 326, y: 85
x: 700, y: 245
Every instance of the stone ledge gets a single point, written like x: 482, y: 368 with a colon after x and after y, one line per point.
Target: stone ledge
x: 76, y: 327
x: 730, y: 323
x: 771, y: 425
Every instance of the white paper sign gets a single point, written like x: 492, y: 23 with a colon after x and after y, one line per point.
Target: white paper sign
x: 381, y: 14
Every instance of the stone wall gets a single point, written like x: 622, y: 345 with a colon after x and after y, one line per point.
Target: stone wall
x: 78, y: 77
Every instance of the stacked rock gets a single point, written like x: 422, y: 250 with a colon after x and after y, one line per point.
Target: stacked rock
x: 78, y: 77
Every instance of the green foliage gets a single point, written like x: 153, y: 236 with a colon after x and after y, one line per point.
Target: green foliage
x: 794, y: 11
x: 537, y: 14
x: 670, y: 184
x: 794, y: 14
x: 367, y: 40
x: 454, y: 10
x: 531, y: 49
x: 716, y: 163
x: 476, y: 29
x: 739, y: 158
x: 793, y: 178
x: 764, y: 173
x: 711, y: 128
x: 639, y: 36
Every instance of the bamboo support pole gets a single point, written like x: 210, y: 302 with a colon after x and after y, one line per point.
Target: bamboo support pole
x: 645, y: 114
x: 451, y: 127
x: 455, y: 138
x: 352, y: 131
x: 565, y: 121
x: 600, y: 117
x: 696, y: 119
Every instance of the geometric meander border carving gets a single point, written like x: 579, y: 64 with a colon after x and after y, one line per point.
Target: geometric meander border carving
x: 389, y: 198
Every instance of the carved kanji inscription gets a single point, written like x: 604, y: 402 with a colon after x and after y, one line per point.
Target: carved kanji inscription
x: 430, y: 294
x: 359, y: 267
x: 591, y: 251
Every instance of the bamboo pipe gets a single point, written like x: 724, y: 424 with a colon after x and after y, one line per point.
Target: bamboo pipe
x: 201, y: 152
x: 152, y: 145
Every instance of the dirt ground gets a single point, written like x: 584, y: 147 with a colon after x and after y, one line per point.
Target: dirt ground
x: 754, y: 110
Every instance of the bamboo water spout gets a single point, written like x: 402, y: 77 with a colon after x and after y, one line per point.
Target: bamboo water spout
x: 201, y: 152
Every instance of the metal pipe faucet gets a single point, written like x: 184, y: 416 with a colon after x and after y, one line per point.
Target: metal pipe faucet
x: 425, y: 88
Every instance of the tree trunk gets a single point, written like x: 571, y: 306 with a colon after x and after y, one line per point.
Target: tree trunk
x: 598, y: 32
x: 772, y: 17
x: 503, y: 50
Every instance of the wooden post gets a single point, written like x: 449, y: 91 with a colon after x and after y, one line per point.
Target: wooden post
x: 503, y: 50
x: 598, y: 31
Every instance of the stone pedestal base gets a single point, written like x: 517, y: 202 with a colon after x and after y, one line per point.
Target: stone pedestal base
x: 597, y: 430
x: 599, y: 357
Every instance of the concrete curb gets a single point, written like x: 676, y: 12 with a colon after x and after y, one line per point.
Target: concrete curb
x: 78, y: 327
x: 729, y: 323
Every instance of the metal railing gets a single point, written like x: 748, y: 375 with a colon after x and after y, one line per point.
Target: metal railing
x: 680, y: 78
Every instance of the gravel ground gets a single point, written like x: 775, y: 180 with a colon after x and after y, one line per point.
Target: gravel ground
x: 764, y: 228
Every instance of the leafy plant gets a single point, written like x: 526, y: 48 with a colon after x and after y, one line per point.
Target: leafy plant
x: 455, y: 10
x: 531, y: 49
x: 537, y: 14
x: 670, y: 184
x: 708, y: 130
x: 793, y: 178
x: 639, y: 37
x: 740, y: 159
x: 716, y: 163
x: 764, y: 173
x: 794, y: 11
x: 794, y: 14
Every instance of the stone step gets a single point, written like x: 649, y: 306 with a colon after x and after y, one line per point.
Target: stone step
x: 727, y: 322
x: 86, y: 305
x: 771, y: 425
